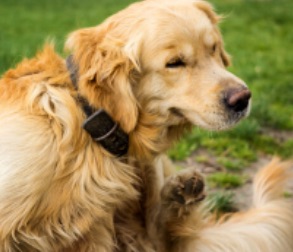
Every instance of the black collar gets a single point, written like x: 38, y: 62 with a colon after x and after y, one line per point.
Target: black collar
x: 102, y: 128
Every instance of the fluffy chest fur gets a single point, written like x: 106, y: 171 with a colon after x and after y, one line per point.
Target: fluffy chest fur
x: 56, y: 183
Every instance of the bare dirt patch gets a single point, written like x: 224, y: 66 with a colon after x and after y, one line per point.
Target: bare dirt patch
x: 242, y: 194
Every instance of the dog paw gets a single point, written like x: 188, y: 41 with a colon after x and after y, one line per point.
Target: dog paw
x: 185, y: 188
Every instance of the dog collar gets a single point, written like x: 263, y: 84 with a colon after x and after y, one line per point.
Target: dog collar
x: 101, y: 127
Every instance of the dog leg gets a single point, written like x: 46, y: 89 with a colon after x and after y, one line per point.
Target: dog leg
x: 179, y: 200
x: 266, y: 226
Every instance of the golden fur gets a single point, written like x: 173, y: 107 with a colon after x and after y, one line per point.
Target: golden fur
x: 61, y: 191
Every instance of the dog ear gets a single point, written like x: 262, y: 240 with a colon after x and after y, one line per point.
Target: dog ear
x: 225, y: 57
x: 208, y: 9
x: 105, y: 66
x: 215, y: 19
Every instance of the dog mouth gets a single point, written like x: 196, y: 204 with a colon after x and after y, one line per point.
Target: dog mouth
x: 234, y: 118
x: 225, y: 120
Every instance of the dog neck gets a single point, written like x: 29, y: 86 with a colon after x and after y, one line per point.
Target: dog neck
x: 150, y: 140
x: 101, y: 127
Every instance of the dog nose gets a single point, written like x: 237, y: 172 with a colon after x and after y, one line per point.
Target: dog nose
x: 237, y: 99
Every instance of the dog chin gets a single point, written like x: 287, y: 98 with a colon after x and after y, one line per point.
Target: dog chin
x: 232, y: 121
x: 212, y: 123
x: 235, y: 118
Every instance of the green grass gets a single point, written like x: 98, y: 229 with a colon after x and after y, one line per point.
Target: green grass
x: 225, y: 180
x: 221, y: 202
x: 27, y: 24
x: 231, y: 164
x: 258, y: 34
x: 288, y: 195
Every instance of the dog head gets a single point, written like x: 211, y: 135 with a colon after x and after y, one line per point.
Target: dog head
x: 165, y: 58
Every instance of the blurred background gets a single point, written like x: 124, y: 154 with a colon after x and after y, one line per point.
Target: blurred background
x: 259, y: 36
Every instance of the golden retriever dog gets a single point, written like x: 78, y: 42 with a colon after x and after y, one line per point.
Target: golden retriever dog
x: 82, y: 141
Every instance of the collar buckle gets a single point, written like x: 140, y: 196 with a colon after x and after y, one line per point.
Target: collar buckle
x: 106, y: 132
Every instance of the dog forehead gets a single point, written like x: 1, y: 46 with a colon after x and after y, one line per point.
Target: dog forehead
x: 181, y: 31
x: 177, y: 31
x: 183, y: 16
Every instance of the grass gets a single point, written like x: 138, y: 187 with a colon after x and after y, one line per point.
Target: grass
x: 27, y: 24
x: 288, y: 195
x: 231, y: 164
x: 258, y: 34
x: 225, y: 180
x: 221, y: 202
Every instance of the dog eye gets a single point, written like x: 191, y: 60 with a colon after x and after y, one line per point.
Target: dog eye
x: 175, y: 63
